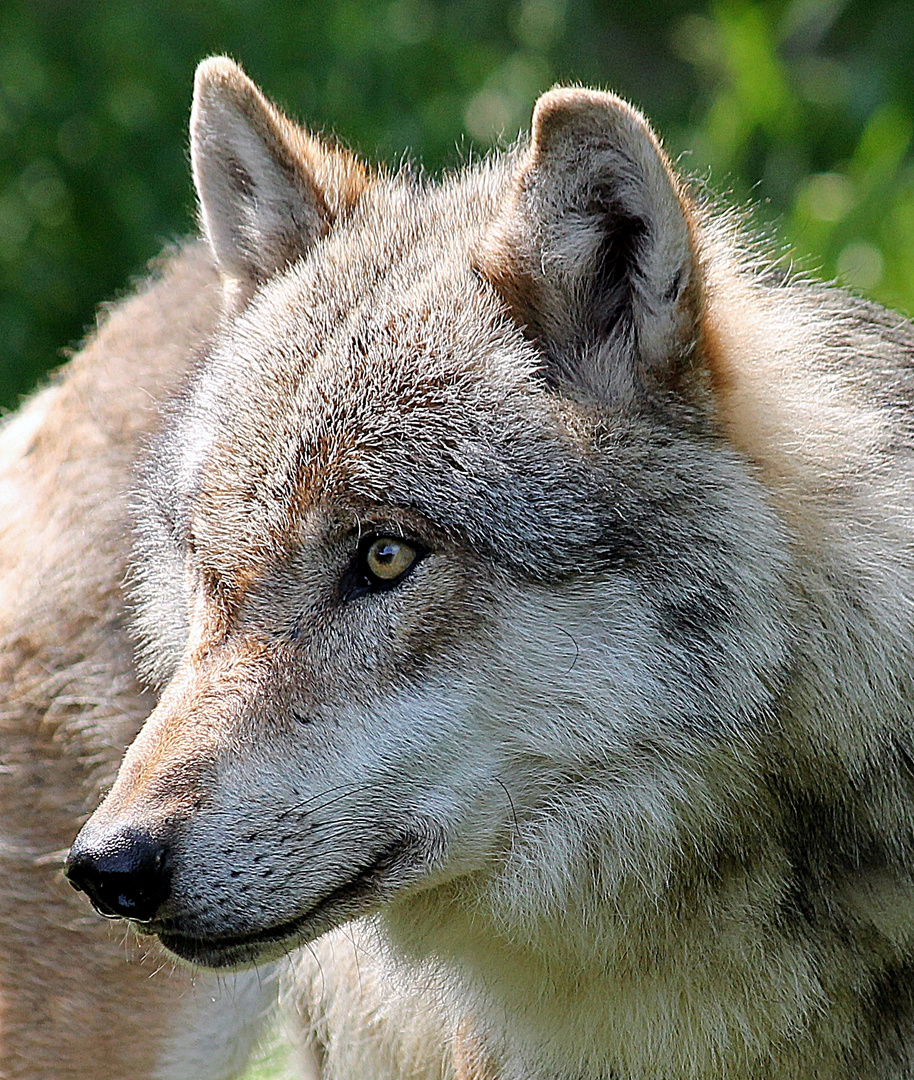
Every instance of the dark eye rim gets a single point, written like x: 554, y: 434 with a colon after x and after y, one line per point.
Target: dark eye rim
x: 359, y: 580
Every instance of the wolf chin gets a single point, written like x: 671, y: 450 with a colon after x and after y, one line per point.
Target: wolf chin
x: 523, y: 575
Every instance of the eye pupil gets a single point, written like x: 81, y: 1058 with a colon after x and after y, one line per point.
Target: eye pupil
x: 387, y: 559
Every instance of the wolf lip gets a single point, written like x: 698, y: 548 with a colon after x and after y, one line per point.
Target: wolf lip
x: 344, y: 902
x: 230, y: 951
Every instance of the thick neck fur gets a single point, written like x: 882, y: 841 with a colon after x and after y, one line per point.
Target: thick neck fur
x: 780, y: 952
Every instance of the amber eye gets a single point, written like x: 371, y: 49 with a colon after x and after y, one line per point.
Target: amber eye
x: 388, y: 559
x: 379, y: 564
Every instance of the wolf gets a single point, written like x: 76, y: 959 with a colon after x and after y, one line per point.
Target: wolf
x: 522, y: 580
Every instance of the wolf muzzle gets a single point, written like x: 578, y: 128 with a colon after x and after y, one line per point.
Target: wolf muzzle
x: 126, y: 873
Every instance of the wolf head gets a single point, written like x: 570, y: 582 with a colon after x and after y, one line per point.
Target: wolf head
x: 468, y: 612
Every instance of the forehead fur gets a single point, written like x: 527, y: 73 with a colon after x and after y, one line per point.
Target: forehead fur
x: 382, y: 370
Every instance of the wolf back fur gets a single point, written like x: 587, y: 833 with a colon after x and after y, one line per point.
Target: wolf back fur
x: 614, y: 780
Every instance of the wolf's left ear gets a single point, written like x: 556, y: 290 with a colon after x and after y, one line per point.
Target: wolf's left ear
x: 593, y: 251
x: 267, y: 189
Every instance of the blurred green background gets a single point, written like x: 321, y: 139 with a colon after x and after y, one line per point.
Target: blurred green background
x: 802, y: 107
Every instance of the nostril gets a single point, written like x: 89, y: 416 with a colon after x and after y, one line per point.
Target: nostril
x: 126, y: 875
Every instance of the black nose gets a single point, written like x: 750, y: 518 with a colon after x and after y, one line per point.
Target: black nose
x: 126, y: 874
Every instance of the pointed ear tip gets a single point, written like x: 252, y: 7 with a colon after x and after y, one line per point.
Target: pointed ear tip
x: 564, y: 104
x: 216, y: 74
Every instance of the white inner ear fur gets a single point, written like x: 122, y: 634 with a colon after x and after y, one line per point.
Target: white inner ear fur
x: 257, y: 214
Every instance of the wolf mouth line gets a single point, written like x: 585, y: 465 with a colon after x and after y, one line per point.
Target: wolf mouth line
x: 359, y: 893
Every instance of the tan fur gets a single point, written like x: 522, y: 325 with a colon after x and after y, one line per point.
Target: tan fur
x: 78, y: 997
x: 471, y: 1061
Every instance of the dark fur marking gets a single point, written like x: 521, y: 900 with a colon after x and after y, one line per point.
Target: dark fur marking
x: 890, y: 1013
x: 828, y: 842
x: 612, y: 292
x: 697, y: 618
x: 675, y: 286
x: 241, y: 180
x: 619, y: 546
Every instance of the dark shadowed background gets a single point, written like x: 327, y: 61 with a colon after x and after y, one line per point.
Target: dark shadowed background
x: 803, y: 107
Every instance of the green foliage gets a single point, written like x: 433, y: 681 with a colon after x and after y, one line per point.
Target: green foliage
x: 810, y: 109
x: 276, y: 1066
x: 805, y: 108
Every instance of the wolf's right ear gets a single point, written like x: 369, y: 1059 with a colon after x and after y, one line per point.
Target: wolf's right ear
x: 267, y: 189
x: 593, y: 250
